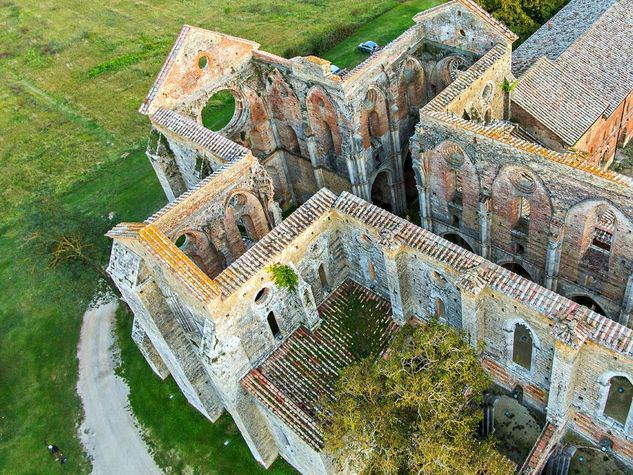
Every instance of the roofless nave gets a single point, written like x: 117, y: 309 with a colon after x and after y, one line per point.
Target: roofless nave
x: 430, y: 128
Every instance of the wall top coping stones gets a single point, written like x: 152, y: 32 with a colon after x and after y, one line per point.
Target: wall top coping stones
x: 574, y: 324
x: 190, y: 130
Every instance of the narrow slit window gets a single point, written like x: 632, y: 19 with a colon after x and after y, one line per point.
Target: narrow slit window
x: 272, y: 324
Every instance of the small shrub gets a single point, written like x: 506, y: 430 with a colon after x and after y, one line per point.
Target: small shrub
x: 284, y: 276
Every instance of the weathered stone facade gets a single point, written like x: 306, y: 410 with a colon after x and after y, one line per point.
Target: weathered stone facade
x: 421, y: 125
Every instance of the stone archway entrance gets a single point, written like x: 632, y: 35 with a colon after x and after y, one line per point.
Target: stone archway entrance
x: 381, y: 191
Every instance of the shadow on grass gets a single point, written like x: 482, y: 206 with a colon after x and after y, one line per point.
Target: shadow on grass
x: 181, y: 439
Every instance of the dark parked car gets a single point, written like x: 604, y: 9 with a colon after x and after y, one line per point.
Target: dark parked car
x: 368, y: 47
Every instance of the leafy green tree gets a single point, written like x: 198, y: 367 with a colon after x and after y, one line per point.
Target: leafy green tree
x: 416, y: 410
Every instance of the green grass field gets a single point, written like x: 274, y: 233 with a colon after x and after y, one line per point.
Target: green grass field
x: 72, y: 75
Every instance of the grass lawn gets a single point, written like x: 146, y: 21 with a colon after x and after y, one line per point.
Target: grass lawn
x: 72, y: 75
x: 382, y: 30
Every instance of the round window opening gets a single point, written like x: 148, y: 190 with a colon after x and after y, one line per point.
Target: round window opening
x: 219, y: 110
x: 181, y: 241
x: 202, y: 62
x: 262, y: 296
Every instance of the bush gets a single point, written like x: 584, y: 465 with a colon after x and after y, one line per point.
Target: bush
x: 284, y: 276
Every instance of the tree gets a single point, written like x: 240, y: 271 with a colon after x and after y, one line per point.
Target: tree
x: 67, y: 240
x: 416, y: 410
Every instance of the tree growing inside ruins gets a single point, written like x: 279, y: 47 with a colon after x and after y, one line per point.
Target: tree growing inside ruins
x: 416, y: 410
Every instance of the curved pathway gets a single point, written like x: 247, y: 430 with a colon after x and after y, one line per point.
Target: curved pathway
x: 109, y: 431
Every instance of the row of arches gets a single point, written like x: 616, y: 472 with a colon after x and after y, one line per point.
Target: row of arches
x: 244, y: 222
x: 616, y: 390
x: 518, y: 269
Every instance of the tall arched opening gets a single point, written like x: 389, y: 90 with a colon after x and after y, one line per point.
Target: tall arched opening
x: 381, y: 191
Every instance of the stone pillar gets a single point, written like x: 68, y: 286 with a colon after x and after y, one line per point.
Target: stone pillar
x: 309, y: 305
x: 314, y: 159
x: 391, y: 249
x: 627, y: 302
x: 398, y: 176
x: 552, y: 261
x: 471, y: 285
x: 561, y: 383
x: 488, y: 423
x: 485, y: 236
x: 424, y: 197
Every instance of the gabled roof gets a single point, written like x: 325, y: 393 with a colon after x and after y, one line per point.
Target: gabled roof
x: 588, y: 45
x: 559, y: 33
x: 558, y: 100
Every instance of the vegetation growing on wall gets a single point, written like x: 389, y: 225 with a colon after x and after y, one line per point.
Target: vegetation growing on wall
x: 284, y: 276
x: 415, y: 410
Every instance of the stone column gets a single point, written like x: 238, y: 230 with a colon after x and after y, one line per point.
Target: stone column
x: 561, y: 383
x: 398, y: 177
x: 552, y: 261
x: 485, y: 237
x: 309, y: 305
x: 314, y: 159
x: 471, y: 285
x: 424, y: 197
x: 627, y: 302
x: 391, y: 249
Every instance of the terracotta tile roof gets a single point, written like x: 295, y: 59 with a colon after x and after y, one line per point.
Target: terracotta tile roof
x: 586, y: 70
x: 291, y: 381
x: 125, y: 230
x: 558, y: 100
x: 574, y: 323
x: 541, y: 450
x: 571, y: 159
x: 164, y: 71
x: 195, y: 133
x: 558, y: 34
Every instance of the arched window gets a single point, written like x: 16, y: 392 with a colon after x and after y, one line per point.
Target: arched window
x: 522, y: 223
x: 618, y: 401
x: 274, y: 327
x: 522, y: 346
x: 457, y: 189
x: 603, y: 231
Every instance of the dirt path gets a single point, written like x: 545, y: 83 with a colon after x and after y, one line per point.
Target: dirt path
x: 109, y: 432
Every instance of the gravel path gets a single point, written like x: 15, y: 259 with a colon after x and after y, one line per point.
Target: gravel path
x: 109, y: 431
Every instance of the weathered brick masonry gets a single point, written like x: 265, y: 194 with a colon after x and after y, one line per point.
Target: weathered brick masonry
x: 519, y: 233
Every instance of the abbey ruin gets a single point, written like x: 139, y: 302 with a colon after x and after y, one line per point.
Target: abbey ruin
x: 446, y: 176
